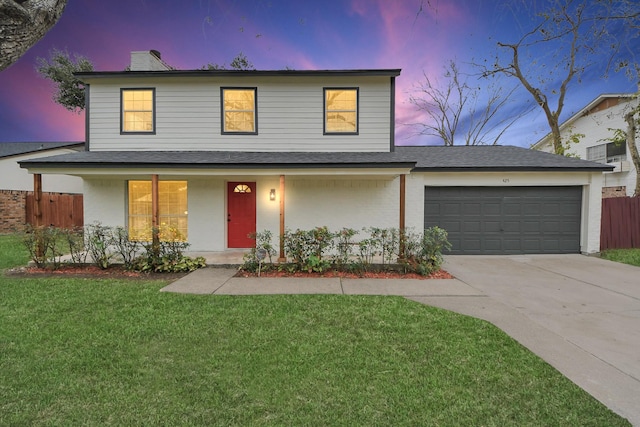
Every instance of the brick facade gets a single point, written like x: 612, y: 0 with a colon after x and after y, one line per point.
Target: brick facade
x: 12, y: 210
x: 619, y: 191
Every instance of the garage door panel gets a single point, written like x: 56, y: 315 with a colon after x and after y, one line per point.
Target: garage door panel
x: 471, y: 227
x: 492, y: 226
x: 490, y: 208
x: 494, y: 220
x: 511, y: 226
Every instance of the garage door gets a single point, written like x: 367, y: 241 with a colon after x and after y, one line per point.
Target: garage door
x: 506, y: 220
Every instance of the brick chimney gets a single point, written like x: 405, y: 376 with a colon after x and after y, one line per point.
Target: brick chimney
x: 147, y: 60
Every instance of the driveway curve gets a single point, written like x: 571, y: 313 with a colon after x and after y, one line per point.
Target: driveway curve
x: 579, y: 313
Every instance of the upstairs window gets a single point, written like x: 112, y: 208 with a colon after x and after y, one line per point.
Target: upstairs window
x: 607, y: 153
x: 340, y: 110
x: 138, y: 111
x: 239, y: 111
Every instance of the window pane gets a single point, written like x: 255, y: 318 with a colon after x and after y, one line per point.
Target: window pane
x: 137, y: 110
x: 239, y: 122
x: 239, y: 110
x: 341, y: 113
x: 140, y: 220
x: 172, y: 207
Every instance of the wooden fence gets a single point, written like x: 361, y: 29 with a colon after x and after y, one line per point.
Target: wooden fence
x: 620, y: 226
x: 58, y: 210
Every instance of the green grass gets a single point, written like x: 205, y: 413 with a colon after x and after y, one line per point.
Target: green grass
x: 626, y: 256
x: 110, y: 352
x: 12, y: 251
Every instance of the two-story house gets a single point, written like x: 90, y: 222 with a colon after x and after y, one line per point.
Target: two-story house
x: 218, y: 154
x: 592, y: 127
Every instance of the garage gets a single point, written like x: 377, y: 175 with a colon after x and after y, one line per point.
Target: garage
x: 507, y: 220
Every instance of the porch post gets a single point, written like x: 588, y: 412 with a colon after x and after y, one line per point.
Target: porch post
x: 155, y: 217
x: 281, y: 257
x: 37, y: 199
x: 403, y: 184
x: 37, y: 211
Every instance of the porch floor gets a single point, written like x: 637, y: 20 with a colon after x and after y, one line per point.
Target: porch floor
x: 227, y: 257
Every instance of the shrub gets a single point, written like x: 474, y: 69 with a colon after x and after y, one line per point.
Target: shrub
x: 261, y: 253
x: 308, y: 249
x: 423, y: 252
x: 344, y: 246
x: 126, y: 248
x: 75, y: 243
x: 40, y: 243
x: 98, y: 240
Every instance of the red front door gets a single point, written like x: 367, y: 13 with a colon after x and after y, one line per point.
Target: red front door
x: 241, y: 214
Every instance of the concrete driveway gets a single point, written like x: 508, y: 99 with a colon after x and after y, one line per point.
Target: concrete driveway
x: 581, y: 314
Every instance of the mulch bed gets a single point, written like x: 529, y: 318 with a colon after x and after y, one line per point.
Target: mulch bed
x: 118, y: 272
x: 90, y: 272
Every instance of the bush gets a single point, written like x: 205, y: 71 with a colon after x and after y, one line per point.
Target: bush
x: 262, y: 252
x: 423, y: 252
x: 43, y: 245
x: 309, y: 250
x: 98, y: 240
x: 46, y: 246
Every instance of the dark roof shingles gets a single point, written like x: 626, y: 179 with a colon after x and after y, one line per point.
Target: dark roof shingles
x: 458, y: 158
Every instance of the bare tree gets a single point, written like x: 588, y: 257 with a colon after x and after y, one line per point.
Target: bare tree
x: 576, y: 35
x: 240, y: 63
x: 23, y: 23
x: 461, y: 113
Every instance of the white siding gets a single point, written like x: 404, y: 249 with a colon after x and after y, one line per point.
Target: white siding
x: 338, y: 203
x: 595, y: 128
x: 13, y: 177
x: 105, y: 202
x: 289, y: 114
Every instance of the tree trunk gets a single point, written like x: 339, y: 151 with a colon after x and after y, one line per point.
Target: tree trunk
x: 633, y: 148
x: 23, y: 23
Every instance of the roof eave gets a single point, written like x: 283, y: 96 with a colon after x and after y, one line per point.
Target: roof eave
x: 391, y: 72
x: 513, y: 169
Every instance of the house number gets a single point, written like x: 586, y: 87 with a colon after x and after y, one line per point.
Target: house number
x: 505, y: 180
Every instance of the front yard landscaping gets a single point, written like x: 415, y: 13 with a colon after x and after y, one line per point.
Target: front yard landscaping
x: 77, y: 351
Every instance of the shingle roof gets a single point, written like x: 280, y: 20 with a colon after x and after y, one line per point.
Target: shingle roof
x: 492, y: 157
x: 222, y: 159
x: 457, y: 158
x: 8, y: 149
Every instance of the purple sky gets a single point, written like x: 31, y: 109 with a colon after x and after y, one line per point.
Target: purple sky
x: 275, y: 34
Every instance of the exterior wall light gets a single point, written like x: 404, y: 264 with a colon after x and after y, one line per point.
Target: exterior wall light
x: 272, y: 194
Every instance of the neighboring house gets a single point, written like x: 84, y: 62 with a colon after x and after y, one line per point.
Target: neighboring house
x: 593, y: 126
x: 218, y: 154
x: 16, y: 183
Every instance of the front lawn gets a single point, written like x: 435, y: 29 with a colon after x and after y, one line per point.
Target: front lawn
x: 626, y: 256
x: 114, y: 352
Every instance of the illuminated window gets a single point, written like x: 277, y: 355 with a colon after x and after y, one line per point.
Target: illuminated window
x: 341, y: 110
x: 242, y: 188
x: 138, y: 115
x: 239, y: 110
x: 172, y: 207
